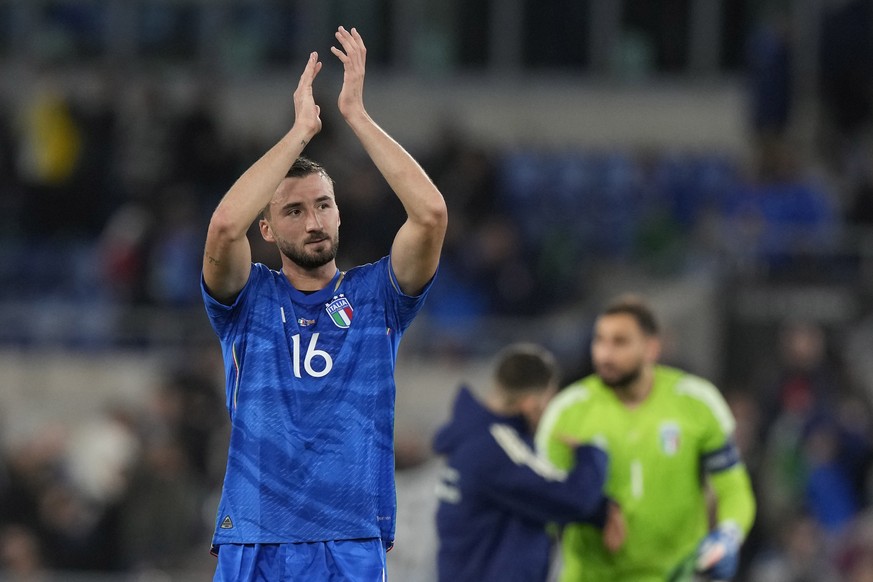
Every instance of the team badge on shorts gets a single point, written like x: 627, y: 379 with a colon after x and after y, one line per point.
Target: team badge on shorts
x: 340, y: 311
x: 670, y: 438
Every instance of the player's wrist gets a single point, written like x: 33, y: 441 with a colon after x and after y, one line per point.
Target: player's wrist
x: 299, y: 136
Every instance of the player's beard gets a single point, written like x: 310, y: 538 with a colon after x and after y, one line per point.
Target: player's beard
x: 620, y: 381
x: 310, y: 259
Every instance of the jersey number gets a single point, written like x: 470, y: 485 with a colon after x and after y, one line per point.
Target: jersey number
x: 311, y: 353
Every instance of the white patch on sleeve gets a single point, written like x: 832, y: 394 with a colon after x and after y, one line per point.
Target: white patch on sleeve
x: 705, y: 392
x: 524, y: 456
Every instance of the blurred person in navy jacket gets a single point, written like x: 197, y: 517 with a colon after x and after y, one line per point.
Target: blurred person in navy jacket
x: 496, y: 495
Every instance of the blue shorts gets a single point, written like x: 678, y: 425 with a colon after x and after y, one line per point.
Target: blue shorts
x: 335, y: 561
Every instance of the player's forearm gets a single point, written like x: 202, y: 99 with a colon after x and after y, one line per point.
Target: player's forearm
x: 420, y: 197
x: 254, y: 189
x: 544, y: 493
x: 736, y: 500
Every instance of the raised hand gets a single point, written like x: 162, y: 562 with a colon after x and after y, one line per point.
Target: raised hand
x: 306, y: 112
x: 354, y: 59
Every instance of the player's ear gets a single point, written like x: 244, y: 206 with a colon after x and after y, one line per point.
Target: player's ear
x: 266, y: 231
x: 525, y: 402
x: 653, y: 348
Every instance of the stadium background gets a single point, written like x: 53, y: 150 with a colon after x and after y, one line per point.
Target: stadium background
x: 712, y: 154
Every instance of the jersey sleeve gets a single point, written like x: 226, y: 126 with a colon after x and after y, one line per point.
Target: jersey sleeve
x: 228, y: 321
x: 404, y: 307
x: 719, y: 455
x: 708, y: 406
x: 736, y: 499
x: 222, y: 316
x: 529, y: 485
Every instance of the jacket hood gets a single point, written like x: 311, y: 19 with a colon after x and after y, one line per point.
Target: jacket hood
x: 469, y: 416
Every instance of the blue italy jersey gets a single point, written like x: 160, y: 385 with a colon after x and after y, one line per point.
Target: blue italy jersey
x: 310, y: 392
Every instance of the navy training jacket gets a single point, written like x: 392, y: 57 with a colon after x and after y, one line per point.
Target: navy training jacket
x: 496, y: 497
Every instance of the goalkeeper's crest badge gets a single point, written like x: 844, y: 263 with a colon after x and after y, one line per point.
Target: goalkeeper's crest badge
x: 670, y: 438
x: 340, y: 311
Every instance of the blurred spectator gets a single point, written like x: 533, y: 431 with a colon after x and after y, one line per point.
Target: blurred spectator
x: 99, y: 456
x: 188, y: 409
x: 161, y: 514
x: 96, y: 180
x: 805, y: 380
x: 363, y: 203
x: 31, y: 467
x: 50, y: 149
x: 467, y: 172
x: 860, y: 204
x: 769, y: 65
x: 818, y: 444
x: 798, y: 554
x: 122, y: 254
x: 855, y: 558
x: 20, y: 555
x: 830, y: 494
x: 176, y: 250
x: 782, y: 221
x: 11, y: 199
x: 846, y: 77
x: 76, y: 534
x: 123, y: 491
x: 147, y: 123
x: 200, y: 158
x: 484, y: 247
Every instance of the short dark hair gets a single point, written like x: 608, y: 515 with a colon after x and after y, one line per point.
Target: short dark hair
x: 637, y: 307
x: 525, y: 367
x: 301, y: 168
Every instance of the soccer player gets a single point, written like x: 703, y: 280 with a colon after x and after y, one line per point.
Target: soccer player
x: 309, y: 351
x: 496, y: 495
x: 668, y: 435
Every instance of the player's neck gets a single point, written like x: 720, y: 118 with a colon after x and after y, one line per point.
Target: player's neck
x: 304, y: 279
x: 501, y: 406
x: 634, y: 394
x: 498, y: 404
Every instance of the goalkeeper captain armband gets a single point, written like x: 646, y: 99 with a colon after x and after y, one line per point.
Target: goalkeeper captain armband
x: 721, y: 459
x: 718, y: 555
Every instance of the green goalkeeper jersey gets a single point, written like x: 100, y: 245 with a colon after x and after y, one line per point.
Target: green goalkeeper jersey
x: 656, y: 460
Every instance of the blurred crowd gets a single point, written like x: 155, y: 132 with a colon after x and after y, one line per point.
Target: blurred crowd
x: 805, y: 429
x: 106, y: 193
x: 104, y: 199
x: 129, y: 492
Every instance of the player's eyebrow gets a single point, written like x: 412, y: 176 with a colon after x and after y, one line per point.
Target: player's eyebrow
x: 298, y: 204
x: 290, y: 206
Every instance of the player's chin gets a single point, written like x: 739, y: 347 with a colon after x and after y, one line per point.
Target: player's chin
x: 612, y: 377
x: 322, y: 256
x: 607, y: 373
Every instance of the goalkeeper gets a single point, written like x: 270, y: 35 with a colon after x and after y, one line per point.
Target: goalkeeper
x: 668, y: 435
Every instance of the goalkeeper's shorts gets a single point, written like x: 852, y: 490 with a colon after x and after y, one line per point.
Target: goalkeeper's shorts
x: 347, y: 560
